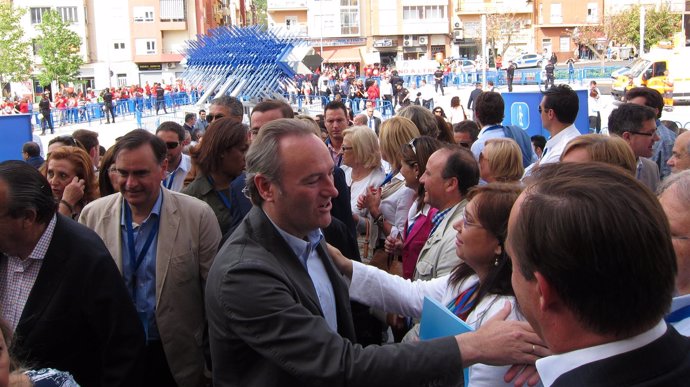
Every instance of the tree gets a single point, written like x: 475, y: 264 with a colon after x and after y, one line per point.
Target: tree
x: 501, y: 28
x: 59, y: 50
x: 660, y: 24
x: 598, y: 36
x: 14, y: 50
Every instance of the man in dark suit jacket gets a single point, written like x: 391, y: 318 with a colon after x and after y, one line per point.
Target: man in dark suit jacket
x: 292, y: 324
x: 597, y: 294
x: 75, y: 315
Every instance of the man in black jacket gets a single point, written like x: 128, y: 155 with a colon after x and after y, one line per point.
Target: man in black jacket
x: 60, y: 289
x: 510, y: 74
x: 108, y: 105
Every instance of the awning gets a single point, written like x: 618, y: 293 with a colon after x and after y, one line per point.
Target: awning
x: 341, y: 55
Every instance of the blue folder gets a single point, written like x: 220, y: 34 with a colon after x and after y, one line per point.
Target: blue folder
x: 439, y: 321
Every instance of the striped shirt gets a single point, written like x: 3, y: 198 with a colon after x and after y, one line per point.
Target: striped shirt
x: 17, y: 277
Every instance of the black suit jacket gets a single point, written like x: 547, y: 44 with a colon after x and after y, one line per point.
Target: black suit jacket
x: 663, y: 362
x: 79, y: 317
x: 267, y: 328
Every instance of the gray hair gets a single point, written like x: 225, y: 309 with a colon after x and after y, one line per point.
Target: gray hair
x: 264, y: 158
x: 232, y: 103
x: 682, y: 181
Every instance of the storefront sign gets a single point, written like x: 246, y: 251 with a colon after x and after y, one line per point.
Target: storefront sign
x: 150, y: 67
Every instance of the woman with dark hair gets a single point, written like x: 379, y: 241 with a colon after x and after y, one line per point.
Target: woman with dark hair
x: 445, y: 130
x: 416, y: 231
x: 108, y: 174
x: 475, y: 290
x: 72, y: 179
x: 438, y: 111
x: 220, y: 160
x: 457, y: 112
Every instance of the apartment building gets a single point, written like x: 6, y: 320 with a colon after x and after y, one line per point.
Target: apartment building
x: 510, y: 22
x: 365, y: 32
x: 73, y: 11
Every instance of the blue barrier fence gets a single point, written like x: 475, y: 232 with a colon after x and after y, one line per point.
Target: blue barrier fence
x: 139, y: 107
x: 532, y: 76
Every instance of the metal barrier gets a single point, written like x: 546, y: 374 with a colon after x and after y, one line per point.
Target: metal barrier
x: 138, y: 107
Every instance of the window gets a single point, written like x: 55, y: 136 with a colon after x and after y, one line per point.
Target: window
x: 556, y: 16
x: 424, y: 12
x: 564, y: 44
x: 119, y: 45
x: 68, y: 14
x: 37, y: 14
x: 592, y: 13
x: 291, y: 23
x: 142, y: 14
x: 35, y: 46
x: 121, y: 80
x: 546, y: 44
x: 172, y: 10
x: 145, y: 47
x: 349, y: 17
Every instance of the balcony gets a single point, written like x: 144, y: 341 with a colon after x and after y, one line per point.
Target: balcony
x: 285, y: 5
x: 173, y: 15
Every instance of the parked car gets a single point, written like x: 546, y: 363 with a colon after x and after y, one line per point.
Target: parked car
x: 465, y: 65
x: 528, y: 60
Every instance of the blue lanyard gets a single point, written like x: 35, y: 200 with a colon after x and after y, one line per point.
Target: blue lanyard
x: 388, y: 178
x: 223, y: 198
x: 134, y: 259
x: 170, y: 179
x: 678, y: 315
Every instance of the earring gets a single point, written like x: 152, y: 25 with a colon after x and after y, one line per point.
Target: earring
x: 496, y: 262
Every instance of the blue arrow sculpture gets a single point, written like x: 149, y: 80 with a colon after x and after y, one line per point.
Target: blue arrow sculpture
x: 244, y: 62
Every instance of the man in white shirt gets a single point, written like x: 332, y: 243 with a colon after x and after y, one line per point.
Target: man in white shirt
x: 428, y: 94
x: 558, y: 109
x: 674, y: 196
x: 179, y: 164
x: 596, y: 290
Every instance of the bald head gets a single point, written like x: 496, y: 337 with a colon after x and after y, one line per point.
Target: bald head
x: 680, y: 158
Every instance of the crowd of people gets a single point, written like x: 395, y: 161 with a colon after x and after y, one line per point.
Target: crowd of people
x: 300, y: 250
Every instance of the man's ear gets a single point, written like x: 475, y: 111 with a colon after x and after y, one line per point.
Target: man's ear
x: 548, y: 297
x: 266, y: 188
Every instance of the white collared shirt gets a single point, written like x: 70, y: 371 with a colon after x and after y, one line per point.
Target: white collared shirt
x: 178, y: 174
x: 556, y: 145
x: 552, y: 367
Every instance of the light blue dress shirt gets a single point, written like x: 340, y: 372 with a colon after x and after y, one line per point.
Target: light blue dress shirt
x: 309, y: 258
x: 145, y: 301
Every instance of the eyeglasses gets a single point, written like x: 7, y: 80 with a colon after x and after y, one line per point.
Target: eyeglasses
x: 466, y: 223
x: 648, y: 134
x: 544, y: 109
x: 465, y: 145
x: 172, y: 144
x: 211, y: 117
x: 346, y: 148
x: 67, y: 140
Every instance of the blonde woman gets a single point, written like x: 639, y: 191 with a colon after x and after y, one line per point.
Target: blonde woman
x: 501, y: 161
x: 362, y: 155
x: 598, y: 147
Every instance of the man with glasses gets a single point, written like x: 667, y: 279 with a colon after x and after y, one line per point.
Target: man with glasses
x: 225, y: 106
x: 179, y: 164
x: 163, y: 242
x: 636, y: 124
x: 558, y: 110
x: 663, y: 148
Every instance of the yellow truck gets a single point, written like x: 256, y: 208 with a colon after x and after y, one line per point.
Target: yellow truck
x: 648, y: 70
